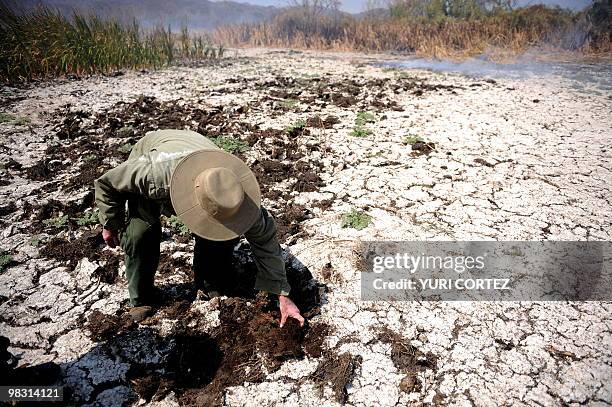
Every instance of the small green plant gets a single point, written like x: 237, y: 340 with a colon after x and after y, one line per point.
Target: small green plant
x: 59, y: 222
x: 230, y: 144
x: 5, y: 117
x: 356, y: 220
x: 363, y: 118
x: 359, y: 131
x: 5, y: 260
x: 295, y: 127
x: 126, y: 148
x: 88, y: 219
x: 90, y: 157
x: 411, y: 139
x: 125, y: 131
x: 22, y: 121
x: 178, y: 225
x: 288, y: 103
x: 35, y: 240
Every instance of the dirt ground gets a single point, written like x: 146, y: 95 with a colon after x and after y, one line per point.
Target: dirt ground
x: 428, y: 156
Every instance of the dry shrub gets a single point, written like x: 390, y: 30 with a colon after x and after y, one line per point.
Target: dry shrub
x: 439, y: 36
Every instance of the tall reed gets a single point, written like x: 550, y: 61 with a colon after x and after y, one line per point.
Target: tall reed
x: 42, y: 43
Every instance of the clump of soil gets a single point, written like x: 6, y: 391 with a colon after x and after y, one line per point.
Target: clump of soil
x: 323, y: 123
x: 420, y: 148
x: 337, y: 371
x: 176, y: 309
x: 43, y: 170
x: 109, y: 272
x: 86, y: 246
x: 248, y: 343
x: 407, y: 359
x: 168, y: 265
x: 315, y: 338
x: 7, y: 209
x: 288, y: 222
x: 103, y: 327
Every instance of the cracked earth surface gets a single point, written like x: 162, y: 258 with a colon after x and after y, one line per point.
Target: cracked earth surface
x: 513, y: 160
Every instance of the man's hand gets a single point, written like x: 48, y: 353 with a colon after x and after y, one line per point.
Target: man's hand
x: 289, y: 309
x: 111, y: 237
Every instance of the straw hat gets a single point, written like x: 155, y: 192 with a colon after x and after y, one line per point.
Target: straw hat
x: 215, y: 194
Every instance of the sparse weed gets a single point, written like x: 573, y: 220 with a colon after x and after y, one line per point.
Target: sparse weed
x: 5, y: 117
x: 288, y: 104
x: 295, y: 127
x: 359, y: 131
x: 17, y: 121
x: 178, y: 225
x: 364, y: 117
x: 5, y: 260
x: 22, y: 121
x: 88, y: 219
x: 411, y: 139
x: 230, y: 144
x: 59, y: 222
x: 126, y: 148
x: 90, y: 157
x: 356, y: 220
x: 35, y: 240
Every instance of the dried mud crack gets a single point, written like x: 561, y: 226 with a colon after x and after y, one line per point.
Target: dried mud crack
x: 425, y: 156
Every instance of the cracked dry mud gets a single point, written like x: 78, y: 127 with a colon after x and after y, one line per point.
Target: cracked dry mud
x: 491, y: 164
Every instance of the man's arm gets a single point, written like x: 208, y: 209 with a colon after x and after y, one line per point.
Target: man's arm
x: 271, y: 276
x: 112, y: 188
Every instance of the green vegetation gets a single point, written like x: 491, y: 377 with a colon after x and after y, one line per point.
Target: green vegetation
x: 411, y: 139
x: 22, y: 121
x: 90, y: 157
x: 5, y: 260
x: 296, y: 127
x: 5, y: 117
x: 230, y: 144
x: 289, y: 103
x: 125, y: 148
x: 35, y: 240
x: 359, y: 131
x: 356, y: 220
x: 9, y: 118
x: 364, y: 117
x: 43, y: 43
x: 178, y: 226
x: 59, y: 222
x: 88, y: 219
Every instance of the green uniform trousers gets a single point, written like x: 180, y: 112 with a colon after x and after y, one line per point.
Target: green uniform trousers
x: 212, y: 262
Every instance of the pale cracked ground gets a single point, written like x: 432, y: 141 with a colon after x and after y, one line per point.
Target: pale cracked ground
x: 549, y: 178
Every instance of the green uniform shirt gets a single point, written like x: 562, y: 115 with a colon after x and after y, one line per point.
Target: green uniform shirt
x: 147, y: 174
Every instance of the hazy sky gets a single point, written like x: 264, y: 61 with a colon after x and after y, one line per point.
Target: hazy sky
x: 355, y: 6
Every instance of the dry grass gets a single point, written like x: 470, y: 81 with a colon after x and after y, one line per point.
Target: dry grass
x: 446, y: 37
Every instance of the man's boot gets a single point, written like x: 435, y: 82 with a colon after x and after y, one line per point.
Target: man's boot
x: 138, y: 314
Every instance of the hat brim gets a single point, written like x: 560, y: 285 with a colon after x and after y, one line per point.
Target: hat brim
x: 188, y: 209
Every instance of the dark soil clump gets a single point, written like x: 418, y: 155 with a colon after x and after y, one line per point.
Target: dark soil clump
x: 407, y: 359
x: 422, y: 148
x: 288, y: 222
x: 103, y: 327
x: 43, y: 170
x: 247, y: 339
x: 8, y: 209
x: 86, y: 246
x: 337, y: 371
x: 326, y: 123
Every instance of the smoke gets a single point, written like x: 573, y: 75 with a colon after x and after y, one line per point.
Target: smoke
x: 597, y: 75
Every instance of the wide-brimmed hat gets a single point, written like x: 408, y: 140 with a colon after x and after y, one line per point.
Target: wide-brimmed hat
x: 215, y: 194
